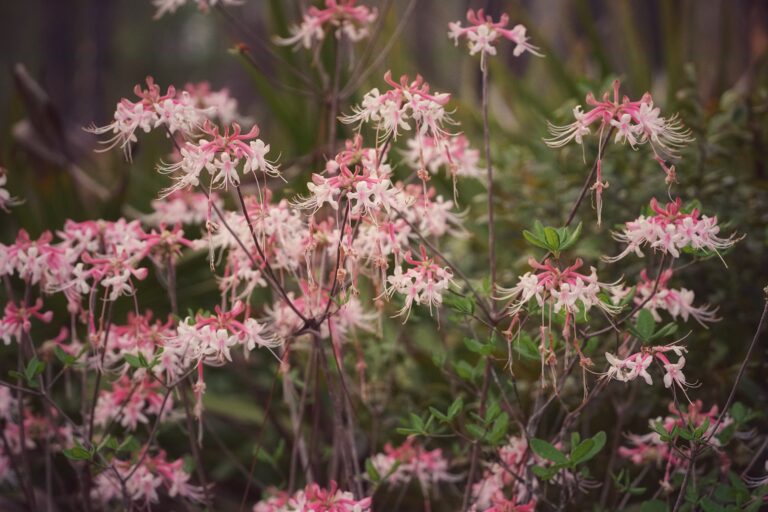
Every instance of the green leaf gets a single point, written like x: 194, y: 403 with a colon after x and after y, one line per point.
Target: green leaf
x: 476, y: 431
x: 701, y: 429
x: 645, y: 324
x: 587, y: 449
x: 665, y: 332
x: 460, y: 303
x: 492, y: 412
x: 544, y: 473
x: 575, y: 440
x: 77, y: 453
x: 552, y: 239
x: 534, y: 240
x: 132, y: 360
x: 373, y: 473
x: 64, y: 357
x: 526, y: 347
x: 129, y: 444
x: 416, y: 422
x: 707, y: 505
x: 738, y: 412
x: 34, y: 368
x: 437, y: 414
x: 547, y: 451
x: 499, y: 428
x: 572, y: 238
x: 455, y: 408
x: 579, y: 453
x: 464, y: 369
x: 473, y: 345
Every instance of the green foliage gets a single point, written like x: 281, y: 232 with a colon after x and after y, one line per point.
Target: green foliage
x: 552, y: 239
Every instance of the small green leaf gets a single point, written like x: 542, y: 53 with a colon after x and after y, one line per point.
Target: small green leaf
x: 34, y: 368
x: 579, y: 453
x: 599, y: 440
x: 416, y: 422
x: 645, y: 324
x: 460, y: 303
x: 552, y: 239
x: 132, y: 360
x: 544, y: 473
x: 534, y: 240
x: 476, y: 431
x: 707, y: 505
x: 64, y: 357
x: 437, y: 414
x: 526, y: 347
x: 665, y: 332
x: 464, y: 369
x: 499, y: 428
x: 77, y: 453
x: 575, y: 440
x: 547, y: 451
x: 455, y: 408
x: 492, y: 412
x: 373, y: 473
x: 473, y: 345
x: 571, y: 237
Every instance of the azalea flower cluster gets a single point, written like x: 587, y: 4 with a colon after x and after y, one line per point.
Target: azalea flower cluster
x: 502, y: 487
x: 144, y: 483
x: 343, y: 17
x: 650, y: 449
x: 170, y: 6
x: 656, y: 295
x: 176, y: 112
x: 637, y: 365
x: 424, y: 282
x: 224, y: 106
x: 90, y: 255
x: 183, y: 207
x: 670, y: 230
x: 360, y: 177
x: 407, y: 105
x: 433, y: 214
x: 453, y: 154
x: 130, y: 402
x: 564, y: 289
x: 411, y: 462
x: 17, y: 320
x: 209, y: 339
x: 636, y: 122
x: 221, y: 154
x: 483, y: 33
x: 316, y: 499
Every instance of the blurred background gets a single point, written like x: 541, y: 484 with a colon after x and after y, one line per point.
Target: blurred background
x: 706, y: 59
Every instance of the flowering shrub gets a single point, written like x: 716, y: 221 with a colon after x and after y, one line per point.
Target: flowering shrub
x: 322, y: 277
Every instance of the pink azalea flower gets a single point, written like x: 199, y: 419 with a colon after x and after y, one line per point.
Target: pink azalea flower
x: 483, y: 33
x: 406, y: 106
x: 669, y: 230
x: 342, y: 17
x: 221, y: 154
x: 637, y: 122
x: 677, y: 302
x: 423, y: 283
x: 175, y: 112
